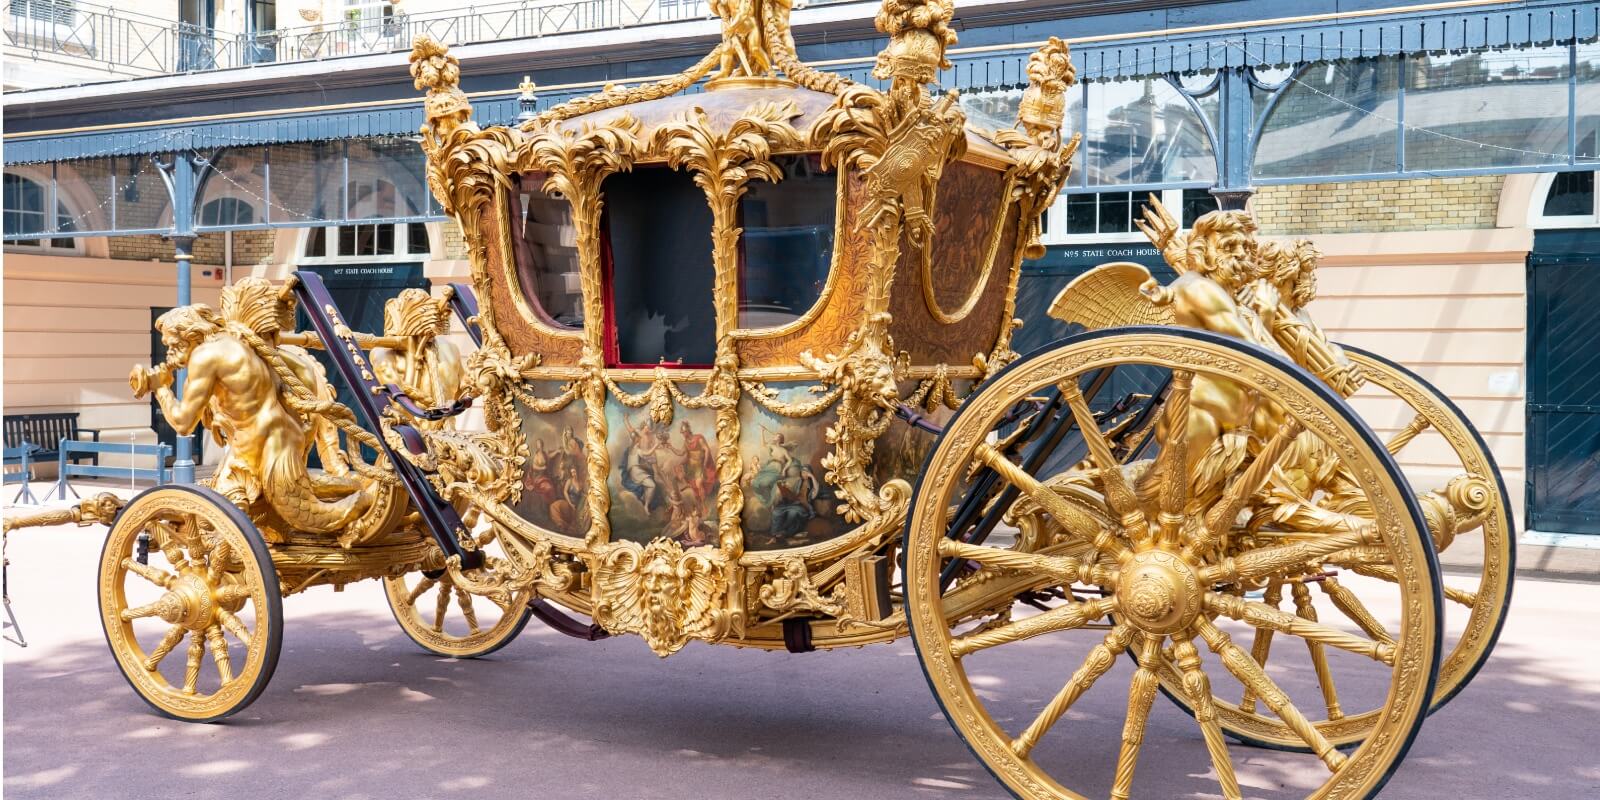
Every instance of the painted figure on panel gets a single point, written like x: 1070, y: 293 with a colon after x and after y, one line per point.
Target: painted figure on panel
x: 555, y: 474
x: 665, y: 480
x: 786, y: 501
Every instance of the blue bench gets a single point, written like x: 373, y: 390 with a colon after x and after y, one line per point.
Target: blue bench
x: 161, y: 474
x: 21, y: 458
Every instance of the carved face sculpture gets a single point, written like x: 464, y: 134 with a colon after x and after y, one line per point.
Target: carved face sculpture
x: 1222, y: 246
x: 184, y: 328
x: 661, y: 581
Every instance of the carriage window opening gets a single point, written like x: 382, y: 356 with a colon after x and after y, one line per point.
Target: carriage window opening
x: 658, y: 235
x: 547, y: 257
x: 787, y: 246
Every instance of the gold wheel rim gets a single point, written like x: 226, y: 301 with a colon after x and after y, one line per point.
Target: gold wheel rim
x: 1009, y: 758
x: 216, y: 604
x: 446, y: 619
x: 1487, y: 604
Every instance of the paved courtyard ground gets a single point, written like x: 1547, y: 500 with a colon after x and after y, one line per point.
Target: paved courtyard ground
x: 357, y: 711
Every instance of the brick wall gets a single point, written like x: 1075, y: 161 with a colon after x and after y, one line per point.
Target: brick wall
x: 1378, y: 206
x: 249, y: 248
x: 455, y: 245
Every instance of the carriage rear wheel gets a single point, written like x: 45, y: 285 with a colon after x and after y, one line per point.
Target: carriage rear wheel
x: 1431, y: 429
x: 1170, y: 571
x: 447, y: 620
x: 203, y: 576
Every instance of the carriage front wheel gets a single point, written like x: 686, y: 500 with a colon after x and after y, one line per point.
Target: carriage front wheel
x: 1165, y: 558
x: 190, y: 603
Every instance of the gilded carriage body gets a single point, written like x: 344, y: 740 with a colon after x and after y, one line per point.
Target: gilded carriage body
x: 744, y: 361
x: 717, y: 302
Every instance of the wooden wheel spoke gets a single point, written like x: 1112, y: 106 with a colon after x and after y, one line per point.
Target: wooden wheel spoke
x: 1119, y: 493
x: 1261, y: 648
x: 422, y: 588
x: 1267, y: 561
x: 1141, y: 694
x: 1099, y: 660
x: 219, y: 653
x: 1172, y: 463
x: 167, y: 542
x: 1198, y: 687
x: 216, y: 561
x: 234, y: 626
x: 1261, y: 615
x: 1238, y: 662
x: 1072, y: 519
x: 1385, y: 572
x: 146, y: 610
x: 1061, y: 569
x: 441, y: 607
x: 233, y: 593
x: 1067, y: 617
x: 1351, y: 606
x: 1306, y: 610
x: 191, y: 671
x: 168, y: 642
x: 1220, y: 518
x: 464, y: 602
x: 155, y: 575
x: 1418, y: 424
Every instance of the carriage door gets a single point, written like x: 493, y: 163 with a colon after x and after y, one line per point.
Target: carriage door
x: 1564, y: 382
x: 164, y: 432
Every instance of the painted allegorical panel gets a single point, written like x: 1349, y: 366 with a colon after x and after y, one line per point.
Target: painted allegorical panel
x: 663, y: 478
x: 787, y: 503
x: 554, y: 477
x: 901, y: 449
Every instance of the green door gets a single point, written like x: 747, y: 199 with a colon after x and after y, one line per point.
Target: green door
x: 1563, y: 437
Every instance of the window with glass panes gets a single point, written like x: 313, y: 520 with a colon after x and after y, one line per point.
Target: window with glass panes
x: 24, y: 204
x: 1111, y: 215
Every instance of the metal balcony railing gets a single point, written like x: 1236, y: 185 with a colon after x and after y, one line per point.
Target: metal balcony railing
x: 126, y: 44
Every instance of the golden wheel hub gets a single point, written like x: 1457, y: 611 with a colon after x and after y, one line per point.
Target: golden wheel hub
x: 1158, y: 592
x: 188, y: 602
